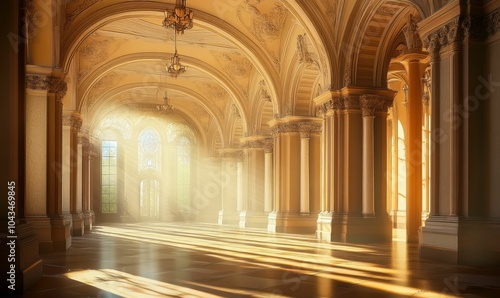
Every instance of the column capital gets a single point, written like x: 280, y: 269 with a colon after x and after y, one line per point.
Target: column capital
x: 52, y: 84
x: 73, y: 120
x: 308, y: 128
x: 255, y: 142
x: 371, y: 103
x: 229, y: 153
x: 295, y: 124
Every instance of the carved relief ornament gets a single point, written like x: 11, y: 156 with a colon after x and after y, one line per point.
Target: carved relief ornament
x: 72, y: 120
x: 49, y: 83
x: 371, y: 103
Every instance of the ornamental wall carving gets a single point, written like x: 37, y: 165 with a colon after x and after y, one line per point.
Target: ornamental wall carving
x: 72, y: 120
x: 233, y: 154
x: 371, y: 103
x: 461, y: 28
x: 48, y: 83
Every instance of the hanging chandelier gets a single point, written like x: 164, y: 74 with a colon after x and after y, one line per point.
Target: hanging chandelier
x: 166, y: 107
x: 175, y: 68
x: 180, y: 18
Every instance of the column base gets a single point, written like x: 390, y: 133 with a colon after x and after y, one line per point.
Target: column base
x: 324, y: 227
x: 88, y: 220
x: 464, y: 241
x: 294, y: 223
x: 360, y: 229
x: 228, y: 218
x: 78, y: 226
x: 43, y: 230
x: 250, y: 219
x: 60, y: 233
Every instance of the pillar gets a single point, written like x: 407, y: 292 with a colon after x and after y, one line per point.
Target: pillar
x: 288, y: 169
x: 356, y: 140
x: 368, y: 156
x: 73, y: 121
x: 86, y: 182
x: 253, y: 214
x: 304, y: 172
x: 463, y: 224
x: 229, y: 210
x: 414, y: 146
x: 268, y: 176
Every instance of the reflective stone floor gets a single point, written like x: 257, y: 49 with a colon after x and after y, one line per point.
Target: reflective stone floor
x: 203, y: 260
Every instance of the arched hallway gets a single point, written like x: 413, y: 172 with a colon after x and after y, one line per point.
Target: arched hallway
x: 365, y: 122
x: 209, y: 260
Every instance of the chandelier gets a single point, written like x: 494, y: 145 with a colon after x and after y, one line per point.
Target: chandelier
x: 180, y: 18
x: 175, y: 68
x: 164, y: 108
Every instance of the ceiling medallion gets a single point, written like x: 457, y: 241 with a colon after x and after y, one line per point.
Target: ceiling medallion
x: 180, y: 18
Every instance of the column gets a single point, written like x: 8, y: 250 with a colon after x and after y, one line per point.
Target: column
x: 239, y: 184
x: 61, y: 225
x: 287, y: 216
x: 37, y: 105
x: 360, y: 150
x: 268, y: 176
x: 73, y: 152
x: 414, y: 147
x: 254, y: 168
x: 369, y: 103
x: 86, y: 194
x: 228, y: 213
x: 304, y: 172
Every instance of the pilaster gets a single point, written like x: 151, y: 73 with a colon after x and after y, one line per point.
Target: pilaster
x: 53, y: 229
x: 463, y: 222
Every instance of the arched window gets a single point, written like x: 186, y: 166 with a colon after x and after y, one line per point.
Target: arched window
x: 149, y: 166
x: 109, y: 177
x: 183, y: 172
x: 149, y: 150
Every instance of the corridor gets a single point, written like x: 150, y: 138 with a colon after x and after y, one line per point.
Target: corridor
x: 206, y: 260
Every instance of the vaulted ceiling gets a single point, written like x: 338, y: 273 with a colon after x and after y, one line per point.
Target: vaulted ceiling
x: 248, y: 60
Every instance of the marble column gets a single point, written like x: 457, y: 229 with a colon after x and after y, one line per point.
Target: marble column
x: 229, y: 210
x: 304, y: 172
x: 60, y: 221
x: 287, y: 170
x: 268, y: 176
x: 253, y: 214
x: 357, y: 144
x: 414, y: 146
x: 72, y: 165
x: 86, y: 193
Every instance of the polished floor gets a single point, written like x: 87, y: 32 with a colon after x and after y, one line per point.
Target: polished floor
x: 203, y: 260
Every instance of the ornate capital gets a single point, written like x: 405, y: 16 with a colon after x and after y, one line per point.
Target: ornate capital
x: 268, y: 146
x: 36, y: 82
x: 57, y: 86
x: 306, y: 129
x: 83, y: 139
x: 230, y: 154
x: 371, y: 103
x: 491, y: 22
x: 285, y: 127
x: 72, y: 120
x: 351, y: 103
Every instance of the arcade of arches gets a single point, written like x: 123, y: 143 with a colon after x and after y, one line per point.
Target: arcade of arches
x: 354, y: 121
